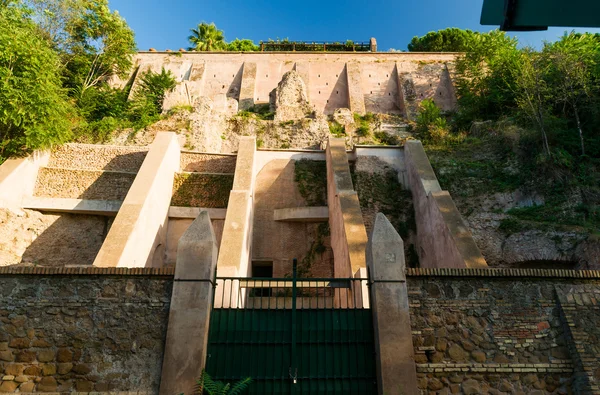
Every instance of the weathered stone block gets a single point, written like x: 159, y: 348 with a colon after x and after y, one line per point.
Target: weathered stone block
x: 48, y: 369
x: 46, y: 356
x: 8, y: 386
x: 14, y: 369
x: 27, y: 387
x: 64, y: 368
x: 25, y: 356
x: 82, y: 368
x: 47, y: 384
x: 64, y: 355
x: 7, y: 356
x: 20, y: 342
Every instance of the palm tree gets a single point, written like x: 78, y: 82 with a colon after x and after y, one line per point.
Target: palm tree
x: 206, y: 38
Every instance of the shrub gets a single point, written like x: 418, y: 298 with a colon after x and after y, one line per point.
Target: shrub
x: 431, y: 125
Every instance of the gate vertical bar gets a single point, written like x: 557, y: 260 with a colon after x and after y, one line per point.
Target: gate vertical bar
x: 294, y: 364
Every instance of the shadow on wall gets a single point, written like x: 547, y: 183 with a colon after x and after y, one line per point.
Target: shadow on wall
x: 338, y: 97
x: 281, y: 242
x: 544, y: 264
x: 205, y: 163
x: 75, y: 239
x: 236, y: 85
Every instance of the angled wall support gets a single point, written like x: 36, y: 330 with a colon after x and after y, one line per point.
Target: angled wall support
x: 248, y: 87
x: 191, y: 305
x: 140, y: 225
x: 396, y: 369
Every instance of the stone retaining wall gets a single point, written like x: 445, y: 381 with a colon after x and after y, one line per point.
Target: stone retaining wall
x: 201, y: 190
x: 207, y: 163
x: 98, y: 157
x: 82, y: 184
x: 83, y: 333
x: 504, y: 335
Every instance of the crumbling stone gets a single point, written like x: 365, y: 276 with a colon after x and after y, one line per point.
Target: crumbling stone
x: 289, y: 100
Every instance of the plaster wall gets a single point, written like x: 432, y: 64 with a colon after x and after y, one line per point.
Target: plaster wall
x: 18, y: 177
x: 328, y: 87
x: 380, y: 87
x: 443, y: 237
x: 176, y: 229
x: 326, y: 74
x: 281, y: 242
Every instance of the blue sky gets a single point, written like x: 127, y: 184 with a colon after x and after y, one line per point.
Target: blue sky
x: 164, y: 24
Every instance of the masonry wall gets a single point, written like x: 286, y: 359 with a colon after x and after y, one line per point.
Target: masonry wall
x: 82, y: 333
x: 386, y: 80
x: 482, y: 334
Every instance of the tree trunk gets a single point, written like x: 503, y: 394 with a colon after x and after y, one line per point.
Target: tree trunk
x: 579, y: 128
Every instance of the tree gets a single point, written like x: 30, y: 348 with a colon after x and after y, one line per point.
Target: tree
x: 93, y: 41
x: 533, y: 91
x: 447, y: 40
x: 485, y: 77
x: 34, y: 110
x: 206, y: 37
x: 244, y: 45
x: 572, y: 61
x: 102, y: 45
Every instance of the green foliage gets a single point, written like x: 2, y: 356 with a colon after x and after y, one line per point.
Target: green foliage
x: 336, y: 129
x: 99, y: 44
x: 431, y: 125
x: 311, y: 179
x: 446, y: 40
x: 207, y: 37
x: 206, y: 385
x: 259, y: 111
x: 244, y: 45
x: 34, y: 109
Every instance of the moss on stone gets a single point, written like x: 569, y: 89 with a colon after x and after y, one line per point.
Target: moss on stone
x: 201, y: 190
x: 311, y: 178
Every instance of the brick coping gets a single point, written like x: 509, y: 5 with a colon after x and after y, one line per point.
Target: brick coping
x: 410, y: 272
x: 502, y: 272
x: 86, y: 271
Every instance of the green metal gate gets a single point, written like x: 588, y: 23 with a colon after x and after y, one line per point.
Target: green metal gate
x: 293, y: 336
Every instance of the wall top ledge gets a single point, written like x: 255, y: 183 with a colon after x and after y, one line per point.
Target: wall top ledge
x: 502, y: 272
x: 86, y: 271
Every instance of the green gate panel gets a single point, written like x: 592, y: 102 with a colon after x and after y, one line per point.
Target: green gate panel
x: 334, y: 350
x: 543, y: 13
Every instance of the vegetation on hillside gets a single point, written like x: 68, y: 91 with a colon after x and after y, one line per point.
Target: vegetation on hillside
x: 56, y: 57
x: 526, y: 119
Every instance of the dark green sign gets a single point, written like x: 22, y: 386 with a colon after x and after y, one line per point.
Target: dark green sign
x: 523, y: 15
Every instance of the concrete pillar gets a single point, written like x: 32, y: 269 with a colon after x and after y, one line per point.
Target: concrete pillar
x: 140, y: 226
x: 18, y: 177
x: 373, y: 44
x: 248, y: 86
x: 234, y: 255
x: 396, y: 370
x: 356, y: 99
x: 348, y: 233
x: 191, y: 305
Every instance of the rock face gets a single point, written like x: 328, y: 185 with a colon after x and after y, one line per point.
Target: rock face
x: 206, y: 122
x: 290, y: 100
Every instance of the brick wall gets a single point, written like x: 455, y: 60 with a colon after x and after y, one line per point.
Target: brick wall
x: 82, y: 332
x: 507, y: 334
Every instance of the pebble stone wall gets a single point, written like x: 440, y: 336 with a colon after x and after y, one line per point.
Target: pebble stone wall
x: 82, y: 184
x: 518, y: 335
x: 82, y: 332
x: 98, y: 157
x: 208, y: 163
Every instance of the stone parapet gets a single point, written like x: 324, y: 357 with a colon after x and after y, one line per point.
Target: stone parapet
x: 348, y: 233
x: 140, y: 226
x: 443, y: 237
x: 236, y: 242
x: 18, y: 177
